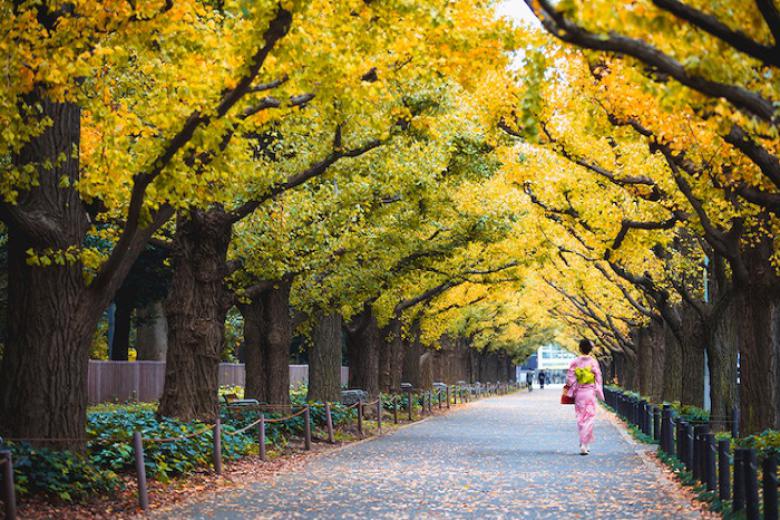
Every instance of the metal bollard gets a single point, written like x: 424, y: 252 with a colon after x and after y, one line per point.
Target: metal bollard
x: 724, y: 482
x: 689, y: 444
x: 656, y: 423
x: 770, y: 487
x: 681, y: 439
x: 379, y: 414
x: 699, y: 449
x: 329, y: 424
x: 360, y: 417
x: 140, y: 471
x: 261, y: 437
x: 751, y: 484
x: 438, y: 397
x: 448, y: 397
x: 738, y: 504
x: 710, y: 455
x: 430, y: 402
x: 217, y: 446
x: 666, y: 430
x: 307, y: 428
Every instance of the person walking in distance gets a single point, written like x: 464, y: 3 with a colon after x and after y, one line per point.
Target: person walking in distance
x: 584, y: 384
x: 529, y: 380
x: 542, y: 377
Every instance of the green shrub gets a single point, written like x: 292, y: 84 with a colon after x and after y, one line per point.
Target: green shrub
x: 63, y: 474
x: 111, y: 435
x: 765, y: 443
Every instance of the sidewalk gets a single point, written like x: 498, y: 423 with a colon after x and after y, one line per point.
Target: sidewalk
x: 505, y: 457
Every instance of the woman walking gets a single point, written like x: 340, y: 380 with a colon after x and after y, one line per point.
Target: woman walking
x: 583, y: 383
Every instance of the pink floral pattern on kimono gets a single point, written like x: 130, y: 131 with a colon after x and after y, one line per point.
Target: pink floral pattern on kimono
x: 585, y: 396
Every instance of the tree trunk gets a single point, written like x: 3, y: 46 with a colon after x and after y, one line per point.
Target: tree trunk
x: 325, y: 358
x: 124, y: 312
x: 692, y: 349
x: 411, y: 367
x: 51, y: 316
x: 722, y: 360
x: 152, y: 334
x: 363, y: 344
x: 196, y: 309
x: 276, y: 338
x: 254, y: 357
x: 759, y: 333
x: 673, y: 372
x: 390, y: 357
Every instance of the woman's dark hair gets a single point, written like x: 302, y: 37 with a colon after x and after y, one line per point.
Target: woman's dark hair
x: 586, y: 346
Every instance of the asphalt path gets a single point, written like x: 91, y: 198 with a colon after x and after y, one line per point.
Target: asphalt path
x: 513, y: 456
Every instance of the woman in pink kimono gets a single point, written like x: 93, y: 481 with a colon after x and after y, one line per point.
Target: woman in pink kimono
x: 584, y: 384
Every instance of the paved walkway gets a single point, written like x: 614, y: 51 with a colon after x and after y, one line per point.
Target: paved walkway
x: 504, y: 457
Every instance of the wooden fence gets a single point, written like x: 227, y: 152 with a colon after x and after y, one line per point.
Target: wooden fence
x: 121, y: 381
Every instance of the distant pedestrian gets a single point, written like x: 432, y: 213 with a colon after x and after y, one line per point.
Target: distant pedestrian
x: 583, y: 383
x: 542, y: 376
x: 529, y: 380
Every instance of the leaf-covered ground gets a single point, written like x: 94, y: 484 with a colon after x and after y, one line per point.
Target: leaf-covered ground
x: 507, y: 457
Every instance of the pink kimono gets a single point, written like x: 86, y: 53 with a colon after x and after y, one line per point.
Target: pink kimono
x: 585, y: 396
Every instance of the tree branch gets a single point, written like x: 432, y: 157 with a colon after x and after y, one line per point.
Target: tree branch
x: 710, y: 24
x: 567, y: 31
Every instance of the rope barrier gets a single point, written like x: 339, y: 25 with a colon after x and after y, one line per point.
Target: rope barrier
x: 282, y: 419
x: 245, y: 428
x: 181, y: 438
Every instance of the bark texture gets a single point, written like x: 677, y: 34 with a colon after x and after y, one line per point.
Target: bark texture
x: 325, y: 358
x: 152, y: 333
x: 51, y: 314
x: 267, y: 337
x: 363, y: 344
x: 196, y: 309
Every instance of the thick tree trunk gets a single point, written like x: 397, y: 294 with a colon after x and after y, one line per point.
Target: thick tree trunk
x: 152, y: 334
x: 759, y: 333
x: 196, y: 309
x: 325, y: 358
x: 276, y: 338
x: 673, y: 373
x: 124, y: 313
x: 51, y: 316
x: 692, y: 348
x: 722, y: 360
x: 390, y: 352
x: 363, y: 344
x: 411, y: 367
x: 254, y: 357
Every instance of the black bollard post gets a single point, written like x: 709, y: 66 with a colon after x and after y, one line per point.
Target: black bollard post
x: 681, y: 438
x: 261, y: 435
x: 689, y: 447
x: 448, y: 397
x: 217, y: 446
x: 140, y: 471
x: 724, y: 482
x: 710, y: 456
x: 751, y: 484
x: 438, y: 397
x: 667, y: 435
x: 656, y: 423
x: 307, y: 428
x: 738, y: 504
x: 8, y: 492
x: 769, y: 470
x: 699, y: 449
